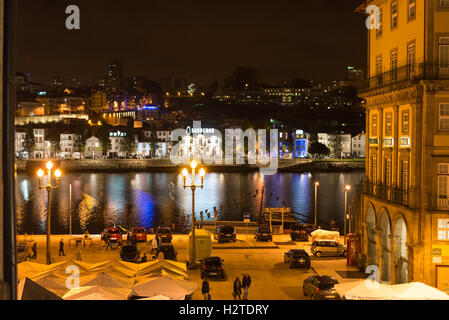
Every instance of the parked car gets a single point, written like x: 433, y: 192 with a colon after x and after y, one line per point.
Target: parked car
x: 328, y: 248
x: 212, y: 267
x: 297, y: 258
x: 225, y: 233
x: 24, y: 251
x: 113, y: 234
x: 130, y: 253
x: 320, y: 288
x: 264, y: 234
x: 301, y: 232
x: 139, y: 233
x: 169, y: 252
x: 164, y: 234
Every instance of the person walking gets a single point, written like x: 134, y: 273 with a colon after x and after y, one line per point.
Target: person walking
x: 158, y: 240
x: 154, y: 246
x: 86, y: 237
x: 205, y: 289
x: 246, y: 283
x: 61, y: 247
x: 237, y: 292
x: 109, y: 244
x: 34, y: 249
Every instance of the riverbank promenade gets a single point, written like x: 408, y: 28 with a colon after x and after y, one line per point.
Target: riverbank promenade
x: 272, y: 279
x: 166, y: 165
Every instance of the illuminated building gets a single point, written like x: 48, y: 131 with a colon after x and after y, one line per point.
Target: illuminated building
x: 404, y: 220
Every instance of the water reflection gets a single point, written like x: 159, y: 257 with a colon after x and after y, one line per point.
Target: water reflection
x: 155, y: 199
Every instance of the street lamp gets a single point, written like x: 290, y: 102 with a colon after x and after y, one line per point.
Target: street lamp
x: 193, y: 186
x: 317, y: 184
x: 347, y: 189
x: 49, y: 187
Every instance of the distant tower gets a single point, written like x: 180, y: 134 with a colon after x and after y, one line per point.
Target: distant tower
x: 115, y: 73
x: 28, y: 68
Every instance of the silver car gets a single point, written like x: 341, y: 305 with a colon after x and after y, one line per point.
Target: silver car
x: 328, y: 248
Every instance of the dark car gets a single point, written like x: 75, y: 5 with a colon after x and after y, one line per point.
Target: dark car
x: 169, y: 252
x: 130, y: 253
x: 301, y: 232
x: 225, y: 234
x: 111, y: 234
x: 264, y: 234
x: 212, y: 267
x: 164, y: 234
x: 24, y: 251
x: 321, y: 288
x: 297, y: 258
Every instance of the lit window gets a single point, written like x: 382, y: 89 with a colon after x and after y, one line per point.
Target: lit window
x: 405, y: 120
x: 443, y: 185
x: 444, y: 116
x: 374, y: 125
x: 380, y: 24
x: 411, y: 9
x: 394, y: 63
x: 394, y: 14
x: 443, y: 229
x: 444, y: 3
x: 388, y: 124
x: 411, y: 58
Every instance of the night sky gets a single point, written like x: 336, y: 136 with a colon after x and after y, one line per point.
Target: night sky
x: 198, y: 40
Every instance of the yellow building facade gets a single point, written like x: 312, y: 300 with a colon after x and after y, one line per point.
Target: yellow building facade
x: 405, y: 213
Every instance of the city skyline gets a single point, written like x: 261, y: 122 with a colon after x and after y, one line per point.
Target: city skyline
x: 283, y: 41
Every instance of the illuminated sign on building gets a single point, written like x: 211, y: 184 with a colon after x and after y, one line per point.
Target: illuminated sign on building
x: 373, y: 141
x: 150, y: 107
x: 388, y: 142
x: 404, y: 142
x: 190, y: 131
x: 117, y: 134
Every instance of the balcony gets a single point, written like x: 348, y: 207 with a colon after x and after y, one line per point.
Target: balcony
x: 409, y: 198
x: 438, y: 203
x: 408, y: 73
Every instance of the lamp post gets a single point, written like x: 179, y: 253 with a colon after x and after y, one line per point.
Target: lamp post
x: 193, y: 186
x: 317, y: 184
x: 347, y: 189
x: 49, y: 188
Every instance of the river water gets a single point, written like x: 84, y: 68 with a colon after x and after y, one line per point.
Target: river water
x: 158, y: 199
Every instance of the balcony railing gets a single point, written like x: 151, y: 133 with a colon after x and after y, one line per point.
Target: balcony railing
x: 410, y: 198
x: 410, y: 72
x: 391, y: 193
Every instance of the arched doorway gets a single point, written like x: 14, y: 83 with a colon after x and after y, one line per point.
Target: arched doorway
x: 400, y: 252
x: 371, y: 236
x: 384, y: 226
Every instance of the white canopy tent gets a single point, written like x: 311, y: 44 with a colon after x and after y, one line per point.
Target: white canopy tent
x: 372, y: 290
x: 175, y: 289
x: 324, y: 235
x: 97, y: 293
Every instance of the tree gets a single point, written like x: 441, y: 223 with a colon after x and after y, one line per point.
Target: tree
x: 28, y: 142
x: 153, y: 143
x: 129, y: 144
x: 336, y: 145
x: 55, y: 139
x: 318, y: 149
x: 79, y: 143
x: 103, y: 136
